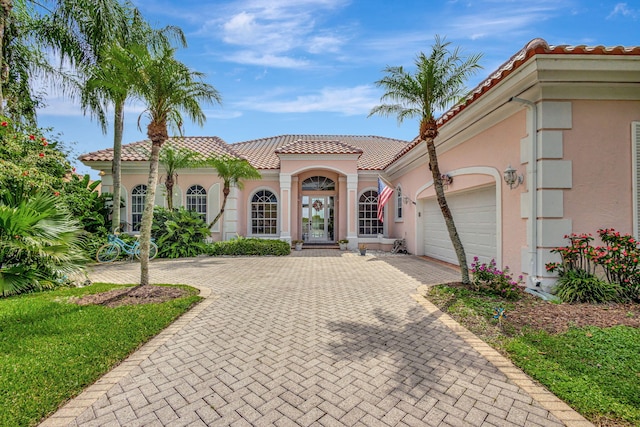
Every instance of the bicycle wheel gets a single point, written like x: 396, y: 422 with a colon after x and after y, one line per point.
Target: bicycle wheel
x: 108, y: 252
x: 153, y: 251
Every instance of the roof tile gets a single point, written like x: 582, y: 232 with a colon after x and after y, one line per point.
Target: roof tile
x: 139, y: 151
x: 302, y: 146
x: 377, y: 151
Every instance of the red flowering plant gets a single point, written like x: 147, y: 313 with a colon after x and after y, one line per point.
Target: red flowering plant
x: 488, y: 278
x: 579, y: 255
x: 619, y: 258
x: 30, y: 161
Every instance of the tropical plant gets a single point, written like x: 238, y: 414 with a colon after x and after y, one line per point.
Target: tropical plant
x: 85, y: 203
x: 619, y: 258
x: 39, y: 242
x: 232, y: 171
x: 437, y: 84
x: 168, y: 88
x: 30, y: 162
x: 577, y: 286
x: 68, y: 30
x: 103, y: 85
x: 173, y: 158
x: 179, y: 233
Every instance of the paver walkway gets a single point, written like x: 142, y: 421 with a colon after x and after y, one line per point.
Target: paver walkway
x: 316, y: 338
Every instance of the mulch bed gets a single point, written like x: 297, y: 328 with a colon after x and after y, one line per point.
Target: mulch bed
x: 133, y: 296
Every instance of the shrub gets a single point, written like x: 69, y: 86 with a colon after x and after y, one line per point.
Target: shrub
x: 488, y: 278
x: 619, y: 258
x: 576, y: 286
x: 249, y: 246
x: 179, y: 233
x: 39, y: 243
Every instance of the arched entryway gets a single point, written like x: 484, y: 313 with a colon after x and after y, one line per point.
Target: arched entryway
x: 318, y: 219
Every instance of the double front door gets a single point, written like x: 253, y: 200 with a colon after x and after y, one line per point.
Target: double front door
x: 318, y: 219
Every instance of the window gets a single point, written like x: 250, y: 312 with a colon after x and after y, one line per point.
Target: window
x: 264, y: 213
x: 398, y: 203
x: 318, y: 183
x: 368, y: 224
x: 197, y: 200
x: 138, y: 195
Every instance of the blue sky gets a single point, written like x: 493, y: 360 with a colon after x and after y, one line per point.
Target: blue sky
x: 309, y: 66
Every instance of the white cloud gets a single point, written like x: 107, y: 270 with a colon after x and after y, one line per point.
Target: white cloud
x: 500, y: 20
x: 274, y: 33
x: 267, y: 60
x: 346, y: 100
x: 222, y: 114
x: 623, y: 9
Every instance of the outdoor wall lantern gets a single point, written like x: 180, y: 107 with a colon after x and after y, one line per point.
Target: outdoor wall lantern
x: 406, y: 200
x: 512, y: 178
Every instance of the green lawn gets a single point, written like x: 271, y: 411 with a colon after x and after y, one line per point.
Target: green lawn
x: 51, y: 349
x: 595, y: 370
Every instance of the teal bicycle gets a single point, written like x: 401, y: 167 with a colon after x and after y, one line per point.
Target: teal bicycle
x: 111, y: 251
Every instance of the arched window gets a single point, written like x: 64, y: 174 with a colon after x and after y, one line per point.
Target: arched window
x: 398, y: 203
x: 368, y: 224
x: 264, y: 213
x: 138, y: 196
x: 318, y: 183
x: 197, y: 200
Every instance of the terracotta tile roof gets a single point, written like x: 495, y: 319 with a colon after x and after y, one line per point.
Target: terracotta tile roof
x: 302, y: 146
x: 536, y: 46
x: 376, y: 151
x: 139, y: 151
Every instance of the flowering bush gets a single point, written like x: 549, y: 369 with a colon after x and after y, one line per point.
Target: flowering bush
x: 619, y: 258
x: 579, y: 255
x: 489, y: 278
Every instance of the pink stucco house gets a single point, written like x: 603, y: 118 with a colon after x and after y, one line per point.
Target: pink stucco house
x: 567, y: 119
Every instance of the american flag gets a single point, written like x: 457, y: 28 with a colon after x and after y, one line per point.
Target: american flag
x: 384, y: 194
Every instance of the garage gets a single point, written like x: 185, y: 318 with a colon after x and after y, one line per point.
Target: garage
x: 474, y: 213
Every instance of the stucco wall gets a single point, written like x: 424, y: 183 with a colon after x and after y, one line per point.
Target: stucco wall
x: 475, y: 163
x: 599, y: 145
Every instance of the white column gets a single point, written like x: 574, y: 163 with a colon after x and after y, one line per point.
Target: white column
x: 285, y: 207
x: 352, y: 210
x: 230, y: 217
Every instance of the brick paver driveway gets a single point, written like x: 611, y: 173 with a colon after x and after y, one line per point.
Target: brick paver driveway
x: 315, y: 338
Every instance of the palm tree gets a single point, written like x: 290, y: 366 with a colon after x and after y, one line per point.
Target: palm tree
x: 437, y: 84
x: 172, y: 159
x: 232, y: 171
x: 39, y: 242
x: 168, y: 88
x: 103, y: 87
x: 74, y: 31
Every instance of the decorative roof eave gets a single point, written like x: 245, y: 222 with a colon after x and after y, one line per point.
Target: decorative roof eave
x: 535, y: 47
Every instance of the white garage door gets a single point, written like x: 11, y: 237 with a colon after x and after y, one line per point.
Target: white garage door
x: 474, y: 213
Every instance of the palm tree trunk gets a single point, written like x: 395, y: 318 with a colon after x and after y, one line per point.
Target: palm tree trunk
x: 225, y: 193
x: 169, y: 189
x: 147, y: 215
x: 5, y: 12
x: 428, y: 132
x: 118, y: 126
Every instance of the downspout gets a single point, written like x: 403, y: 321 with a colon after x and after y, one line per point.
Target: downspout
x: 533, y: 191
